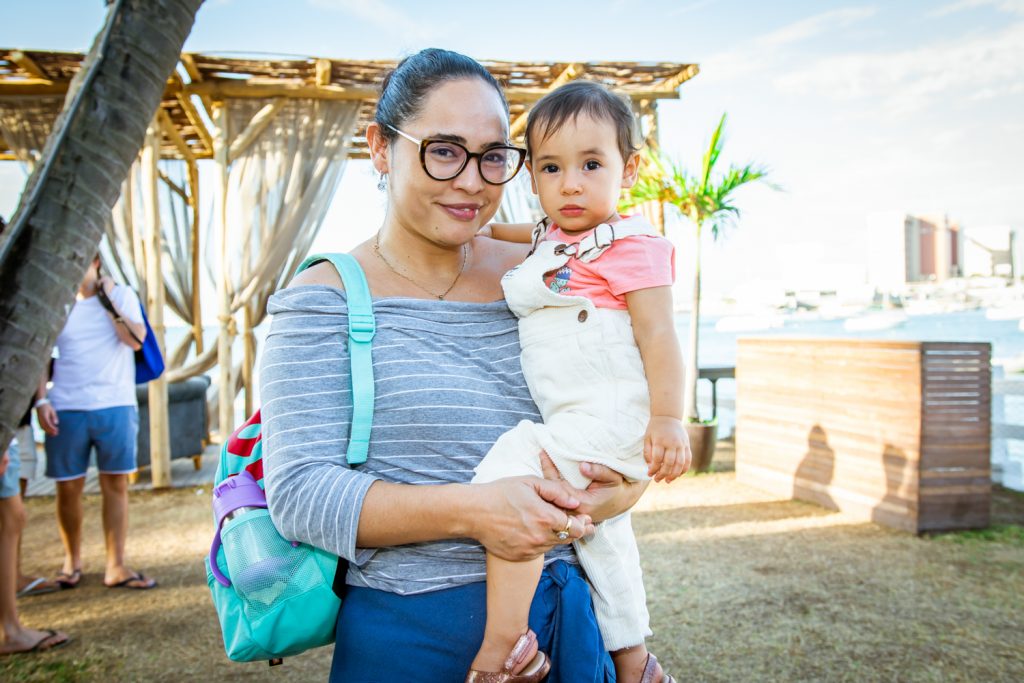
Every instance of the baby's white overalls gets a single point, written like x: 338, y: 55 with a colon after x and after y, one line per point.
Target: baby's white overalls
x: 585, y: 374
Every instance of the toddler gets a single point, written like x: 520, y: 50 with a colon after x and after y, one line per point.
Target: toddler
x: 601, y: 358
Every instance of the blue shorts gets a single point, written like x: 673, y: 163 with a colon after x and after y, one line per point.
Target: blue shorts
x: 113, y: 432
x: 9, y: 485
x: 434, y: 636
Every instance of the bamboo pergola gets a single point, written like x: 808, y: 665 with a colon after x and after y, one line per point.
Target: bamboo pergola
x: 189, y: 126
x: 202, y: 80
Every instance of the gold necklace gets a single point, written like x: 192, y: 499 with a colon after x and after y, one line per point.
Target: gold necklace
x: 442, y: 295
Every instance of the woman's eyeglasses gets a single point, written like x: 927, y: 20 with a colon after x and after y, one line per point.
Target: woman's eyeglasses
x: 444, y: 160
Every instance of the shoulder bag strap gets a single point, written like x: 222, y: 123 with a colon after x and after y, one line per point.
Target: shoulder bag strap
x: 361, y: 329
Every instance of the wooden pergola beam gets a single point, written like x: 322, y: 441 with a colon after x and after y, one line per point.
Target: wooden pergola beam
x: 168, y: 128
x: 189, y: 62
x: 195, y: 119
x: 323, y: 72
x: 34, y: 86
x: 531, y: 95
x: 218, y: 90
x: 684, y: 75
x: 222, y: 90
x: 569, y: 73
x: 29, y: 65
x: 175, y: 187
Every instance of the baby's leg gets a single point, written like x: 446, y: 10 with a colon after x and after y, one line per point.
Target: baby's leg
x: 629, y: 663
x: 510, y: 589
x: 612, y: 563
x: 510, y: 585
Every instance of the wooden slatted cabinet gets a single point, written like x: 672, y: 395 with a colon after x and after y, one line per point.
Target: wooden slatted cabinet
x: 893, y: 432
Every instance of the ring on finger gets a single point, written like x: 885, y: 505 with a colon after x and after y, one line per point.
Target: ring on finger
x: 563, y: 535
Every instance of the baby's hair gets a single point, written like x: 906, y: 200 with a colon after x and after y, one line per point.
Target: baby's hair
x: 571, y: 100
x: 407, y: 85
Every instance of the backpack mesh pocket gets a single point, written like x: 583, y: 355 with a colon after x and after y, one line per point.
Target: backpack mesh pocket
x: 264, y: 568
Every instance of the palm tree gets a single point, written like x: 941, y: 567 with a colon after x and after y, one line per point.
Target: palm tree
x: 51, y: 239
x: 706, y: 202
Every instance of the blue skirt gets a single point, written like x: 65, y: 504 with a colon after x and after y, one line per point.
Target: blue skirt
x: 433, y: 637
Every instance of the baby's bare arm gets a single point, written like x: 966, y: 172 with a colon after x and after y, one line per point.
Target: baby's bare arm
x: 666, y: 447
x: 508, y: 232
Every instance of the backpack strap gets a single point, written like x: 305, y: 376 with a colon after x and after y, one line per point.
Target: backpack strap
x: 361, y: 329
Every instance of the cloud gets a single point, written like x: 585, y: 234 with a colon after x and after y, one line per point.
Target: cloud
x: 815, y: 26
x: 381, y: 14
x: 1008, y: 6
x: 691, y: 7
x: 762, y: 52
x: 900, y: 82
x: 1000, y: 91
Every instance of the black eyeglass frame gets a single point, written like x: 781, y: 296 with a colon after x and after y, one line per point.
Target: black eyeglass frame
x: 465, y: 162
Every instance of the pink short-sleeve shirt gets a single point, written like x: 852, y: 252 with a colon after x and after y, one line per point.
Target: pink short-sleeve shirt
x: 630, y: 264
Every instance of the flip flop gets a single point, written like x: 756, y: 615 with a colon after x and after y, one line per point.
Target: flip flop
x: 68, y: 581
x: 127, y: 583
x: 36, y: 587
x: 38, y: 647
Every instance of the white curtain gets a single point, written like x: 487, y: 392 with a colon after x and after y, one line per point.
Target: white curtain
x: 124, y: 251
x: 286, y: 158
x: 279, y: 188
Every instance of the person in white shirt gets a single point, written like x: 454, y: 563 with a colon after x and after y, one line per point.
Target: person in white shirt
x: 91, y: 404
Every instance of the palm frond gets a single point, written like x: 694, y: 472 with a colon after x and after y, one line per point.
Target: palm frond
x: 702, y: 198
x: 735, y: 178
x: 711, y: 156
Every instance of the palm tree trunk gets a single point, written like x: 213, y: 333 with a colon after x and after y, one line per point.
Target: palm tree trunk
x: 54, y: 234
x: 692, y: 370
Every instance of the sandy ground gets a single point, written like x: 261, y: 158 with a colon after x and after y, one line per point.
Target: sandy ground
x: 742, y: 587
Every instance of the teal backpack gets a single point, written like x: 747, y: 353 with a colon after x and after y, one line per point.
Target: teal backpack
x: 274, y: 597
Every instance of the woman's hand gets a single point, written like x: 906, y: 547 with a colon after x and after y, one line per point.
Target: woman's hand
x: 608, y: 495
x: 519, y: 518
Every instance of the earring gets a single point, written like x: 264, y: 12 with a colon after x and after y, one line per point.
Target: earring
x: 382, y: 184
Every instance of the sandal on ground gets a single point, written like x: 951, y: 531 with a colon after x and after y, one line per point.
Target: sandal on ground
x: 68, y: 581
x: 514, y: 670
x: 41, y: 644
x: 653, y: 673
x: 138, y: 582
x: 38, y: 586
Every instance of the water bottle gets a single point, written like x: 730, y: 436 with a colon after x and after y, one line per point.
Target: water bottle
x: 238, y: 512
x: 255, y: 561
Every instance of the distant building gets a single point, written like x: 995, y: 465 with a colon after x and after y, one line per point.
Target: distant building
x: 906, y: 249
x: 992, y: 251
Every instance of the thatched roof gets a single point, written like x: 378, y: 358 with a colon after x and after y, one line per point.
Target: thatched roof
x: 201, y: 80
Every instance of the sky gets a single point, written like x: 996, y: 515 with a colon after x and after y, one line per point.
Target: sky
x: 856, y: 108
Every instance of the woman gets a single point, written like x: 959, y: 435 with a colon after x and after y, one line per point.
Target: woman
x: 448, y: 383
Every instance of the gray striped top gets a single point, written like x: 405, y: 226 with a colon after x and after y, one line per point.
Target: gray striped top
x: 448, y: 382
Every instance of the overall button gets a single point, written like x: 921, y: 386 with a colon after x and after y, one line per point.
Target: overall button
x: 582, y: 317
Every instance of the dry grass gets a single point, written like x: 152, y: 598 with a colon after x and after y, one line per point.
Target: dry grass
x: 742, y: 587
